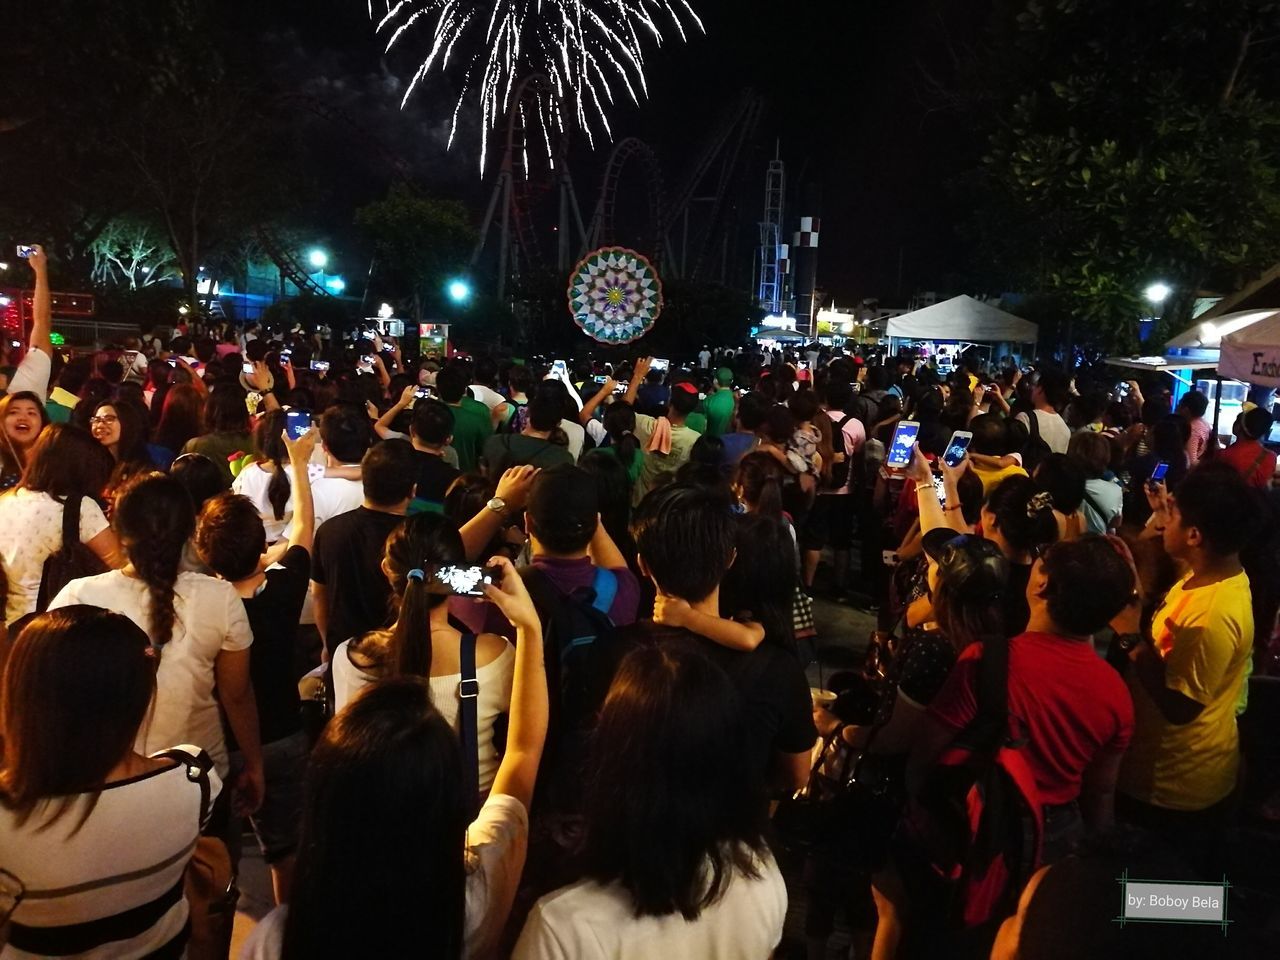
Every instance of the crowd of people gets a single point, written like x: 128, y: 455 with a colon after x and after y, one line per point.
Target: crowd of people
x: 509, y: 658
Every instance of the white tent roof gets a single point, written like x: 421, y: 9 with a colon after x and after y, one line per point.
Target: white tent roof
x: 1252, y: 354
x: 1209, y: 333
x: 963, y: 318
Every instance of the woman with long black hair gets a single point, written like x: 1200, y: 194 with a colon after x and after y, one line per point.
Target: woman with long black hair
x: 196, y: 623
x: 674, y: 845
x: 268, y: 481
x: 394, y: 861
x: 423, y: 643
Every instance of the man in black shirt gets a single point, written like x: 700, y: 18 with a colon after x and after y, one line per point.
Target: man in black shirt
x: 685, y: 537
x: 347, y: 582
x: 431, y: 428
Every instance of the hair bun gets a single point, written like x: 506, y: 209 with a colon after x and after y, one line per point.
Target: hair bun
x: 1038, y: 502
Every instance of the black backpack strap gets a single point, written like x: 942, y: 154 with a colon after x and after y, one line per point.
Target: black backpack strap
x: 1033, y: 424
x: 198, y: 765
x: 468, y: 716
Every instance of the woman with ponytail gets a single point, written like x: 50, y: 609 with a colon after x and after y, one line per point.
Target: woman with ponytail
x: 758, y: 484
x: 1019, y: 518
x: 422, y: 643
x: 268, y: 481
x: 196, y: 624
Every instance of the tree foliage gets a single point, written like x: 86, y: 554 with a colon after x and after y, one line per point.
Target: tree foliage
x: 132, y: 253
x: 418, y: 241
x: 1130, y: 141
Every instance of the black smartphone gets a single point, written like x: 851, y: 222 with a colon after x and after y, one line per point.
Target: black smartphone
x: 1157, y: 475
x: 297, y: 422
x: 464, y: 581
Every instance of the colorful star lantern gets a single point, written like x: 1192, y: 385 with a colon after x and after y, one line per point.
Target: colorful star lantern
x: 615, y: 295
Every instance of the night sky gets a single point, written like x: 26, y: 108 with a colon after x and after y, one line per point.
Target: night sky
x: 845, y: 97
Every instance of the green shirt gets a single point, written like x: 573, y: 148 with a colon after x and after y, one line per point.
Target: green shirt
x: 472, y: 426
x: 696, y: 422
x: 719, y: 412
x: 508, y: 450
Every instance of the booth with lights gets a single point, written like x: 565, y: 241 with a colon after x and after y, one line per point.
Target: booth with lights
x: 946, y: 331
x: 1226, y: 360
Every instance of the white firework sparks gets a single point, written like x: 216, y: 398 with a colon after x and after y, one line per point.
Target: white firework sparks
x: 584, y: 49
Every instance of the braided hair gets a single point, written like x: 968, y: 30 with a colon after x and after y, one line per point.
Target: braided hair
x: 154, y: 519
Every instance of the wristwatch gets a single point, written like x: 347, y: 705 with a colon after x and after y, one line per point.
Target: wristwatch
x: 1127, y: 641
x: 497, y: 505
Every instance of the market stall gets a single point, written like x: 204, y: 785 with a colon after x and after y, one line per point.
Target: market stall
x: 946, y: 330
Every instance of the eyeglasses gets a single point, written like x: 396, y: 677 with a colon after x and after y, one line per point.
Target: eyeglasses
x: 105, y: 418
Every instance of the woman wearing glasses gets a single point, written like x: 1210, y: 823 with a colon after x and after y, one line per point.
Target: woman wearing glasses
x: 122, y: 429
x: 65, y: 470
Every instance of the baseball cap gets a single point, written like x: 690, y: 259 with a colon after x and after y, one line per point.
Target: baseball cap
x: 565, y: 496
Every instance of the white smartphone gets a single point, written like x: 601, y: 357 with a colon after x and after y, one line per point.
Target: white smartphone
x: 663, y: 365
x: 958, y: 448
x: 904, y: 441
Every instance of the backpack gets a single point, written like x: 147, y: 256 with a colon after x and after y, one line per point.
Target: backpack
x: 841, y: 470
x: 518, y: 420
x: 1037, y: 450
x: 575, y: 631
x: 72, y: 561
x: 969, y: 840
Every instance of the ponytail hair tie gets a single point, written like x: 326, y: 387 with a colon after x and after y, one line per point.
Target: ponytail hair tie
x: 416, y: 574
x: 1040, y: 501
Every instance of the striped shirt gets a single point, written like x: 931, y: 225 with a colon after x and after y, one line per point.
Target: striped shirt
x: 113, y: 888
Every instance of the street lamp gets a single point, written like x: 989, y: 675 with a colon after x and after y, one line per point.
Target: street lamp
x: 318, y: 259
x: 1158, y: 293
x: 459, y: 291
x: 336, y: 284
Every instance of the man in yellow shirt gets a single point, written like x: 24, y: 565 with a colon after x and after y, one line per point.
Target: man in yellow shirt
x: 1188, y: 674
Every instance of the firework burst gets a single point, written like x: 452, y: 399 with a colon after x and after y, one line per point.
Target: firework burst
x: 590, y: 52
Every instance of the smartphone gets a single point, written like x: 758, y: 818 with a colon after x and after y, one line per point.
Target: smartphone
x: 1122, y: 389
x: 890, y: 558
x: 367, y: 359
x: 423, y: 393
x: 464, y: 581
x: 957, y: 448
x: 297, y: 422
x: 1157, y: 475
x: 25, y: 250
x: 285, y: 354
x: 320, y: 366
x: 247, y: 369
x: 560, y: 370
x: 904, y: 441
x: 621, y: 388
x: 663, y: 365
x: 599, y: 378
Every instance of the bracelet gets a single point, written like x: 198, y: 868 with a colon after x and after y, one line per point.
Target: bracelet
x: 954, y: 506
x: 923, y: 485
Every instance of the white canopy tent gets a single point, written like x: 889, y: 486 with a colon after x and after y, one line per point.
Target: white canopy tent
x: 963, y: 318
x: 1252, y: 353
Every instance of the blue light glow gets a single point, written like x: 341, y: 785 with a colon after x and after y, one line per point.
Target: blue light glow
x: 459, y: 291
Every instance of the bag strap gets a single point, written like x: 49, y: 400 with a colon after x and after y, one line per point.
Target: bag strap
x: 1033, y: 424
x: 468, y: 716
x: 605, y: 586
x: 198, y: 765
x: 71, y: 521
x: 992, y: 719
x: 1262, y: 455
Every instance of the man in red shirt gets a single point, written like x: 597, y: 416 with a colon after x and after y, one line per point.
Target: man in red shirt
x: 1071, y: 706
x: 1247, y: 455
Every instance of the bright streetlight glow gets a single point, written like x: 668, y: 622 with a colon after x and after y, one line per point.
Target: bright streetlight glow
x: 318, y: 259
x: 459, y: 291
x: 385, y: 311
x: 337, y: 284
x: 182, y: 311
x: 1158, y: 292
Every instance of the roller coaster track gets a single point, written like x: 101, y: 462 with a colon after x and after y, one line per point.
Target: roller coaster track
x: 601, y: 231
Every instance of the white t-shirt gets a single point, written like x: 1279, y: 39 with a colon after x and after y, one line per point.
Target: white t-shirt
x: 130, y: 853
x: 253, y: 482
x: 33, y: 374
x: 209, y: 618
x: 30, y: 531
x: 596, y: 431
x: 577, y: 436
x: 1053, y: 430
x: 497, y: 841
x: 494, y: 679
x: 331, y: 496
x: 704, y: 358
x: 490, y: 398
x: 588, y: 921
